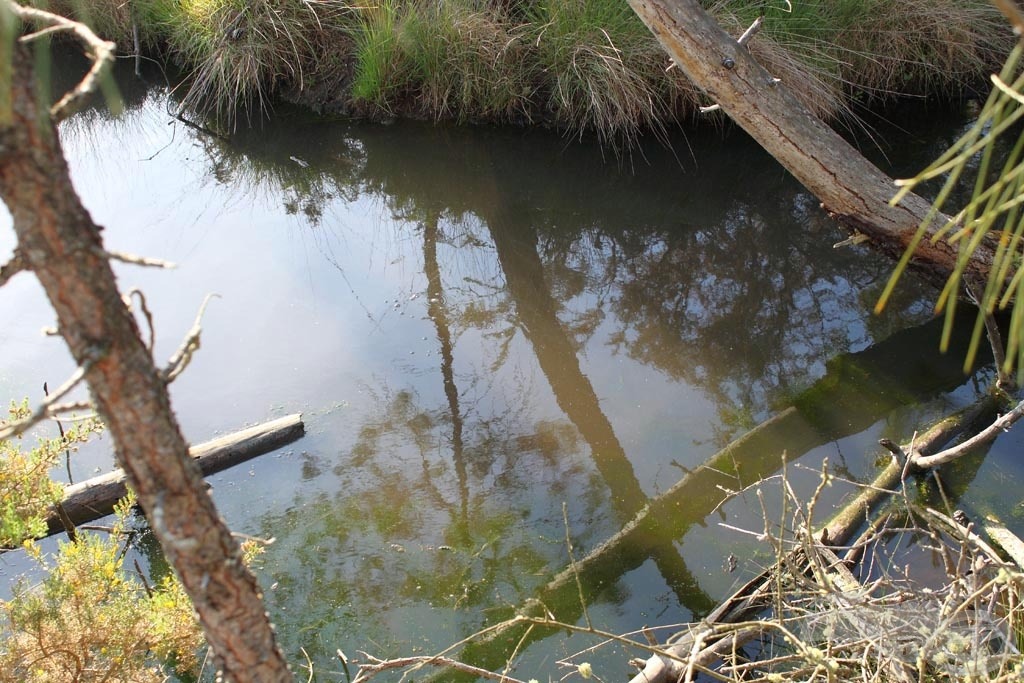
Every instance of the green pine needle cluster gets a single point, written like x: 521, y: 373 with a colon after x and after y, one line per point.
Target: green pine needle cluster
x: 992, y: 215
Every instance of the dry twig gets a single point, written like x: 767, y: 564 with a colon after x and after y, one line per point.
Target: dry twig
x: 100, y: 51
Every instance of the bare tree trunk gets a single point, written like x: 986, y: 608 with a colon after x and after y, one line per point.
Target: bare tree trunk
x: 849, y: 186
x: 59, y: 241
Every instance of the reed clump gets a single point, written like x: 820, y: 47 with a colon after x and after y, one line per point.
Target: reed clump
x: 577, y: 64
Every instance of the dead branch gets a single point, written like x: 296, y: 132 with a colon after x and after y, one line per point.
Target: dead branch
x: 751, y: 31
x: 1007, y: 540
x: 100, y: 51
x: 183, y: 356
x: 146, y: 313
x: 375, y: 666
x: 1005, y: 381
x: 139, y: 260
x: 757, y: 593
x: 96, y: 497
x: 14, y: 266
x: 981, y: 438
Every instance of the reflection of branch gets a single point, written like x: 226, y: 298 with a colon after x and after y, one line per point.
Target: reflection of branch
x: 995, y: 340
x: 572, y: 564
x: 198, y: 127
x: 102, y: 53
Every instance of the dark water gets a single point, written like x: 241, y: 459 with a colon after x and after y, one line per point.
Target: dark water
x: 496, y: 335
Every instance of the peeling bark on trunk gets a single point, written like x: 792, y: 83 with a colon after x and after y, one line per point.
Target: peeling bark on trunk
x: 849, y: 186
x: 58, y: 240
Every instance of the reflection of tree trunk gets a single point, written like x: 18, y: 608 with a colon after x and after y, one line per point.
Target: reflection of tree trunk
x: 858, y: 389
x: 438, y: 313
x: 537, y: 310
x: 516, y: 245
x: 58, y: 240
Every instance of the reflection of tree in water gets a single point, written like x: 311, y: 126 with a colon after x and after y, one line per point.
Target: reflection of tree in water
x: 710, y: 274
x: 740, y: 310
x: 396, y: 529
x: 307, y: 174
x: 723, y: 278
x: 439, y: 507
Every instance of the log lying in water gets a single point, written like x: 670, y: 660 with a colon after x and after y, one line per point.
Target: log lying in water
x: 755, y: 595
x: 95, y: 498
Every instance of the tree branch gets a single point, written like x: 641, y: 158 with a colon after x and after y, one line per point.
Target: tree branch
x: 183, y: 356
x: 139, y: 260
x: 65, y: 250
x: 368, y: 671
x: 752, y: 31
x: 46, y: 408
x: 982, y: 437
x: 14, y: 266
x: 101, y: 52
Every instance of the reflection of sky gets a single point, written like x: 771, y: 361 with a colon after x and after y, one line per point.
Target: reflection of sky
x: 324, y: 311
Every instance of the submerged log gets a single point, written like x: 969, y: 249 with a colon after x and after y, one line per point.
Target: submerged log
x: 857, y: 390
x: 699, y: 644
x: 95, y: 498
x: 1007, y: 540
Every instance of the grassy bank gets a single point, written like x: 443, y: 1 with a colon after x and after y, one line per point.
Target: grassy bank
x: 577, y: 64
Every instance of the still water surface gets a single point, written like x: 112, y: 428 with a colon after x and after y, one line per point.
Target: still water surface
x: 493, y: 334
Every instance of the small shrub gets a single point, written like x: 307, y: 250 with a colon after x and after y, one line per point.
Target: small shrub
x: 26, y: 490
x: 89, y: 620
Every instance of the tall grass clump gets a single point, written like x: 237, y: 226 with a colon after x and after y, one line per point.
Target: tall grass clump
x: 600, y: 67
x: 831, y: 50
x: 468, y: 63
x: 448, y: 59
x: 116, y: 20
x: 891, y: 47
x: 241, y: 51
x: 577, y: 64
x: 380, y: 68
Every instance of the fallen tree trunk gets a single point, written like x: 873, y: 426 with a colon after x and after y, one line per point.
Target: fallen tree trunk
x: 849, y: 186
x: 95, y: 498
